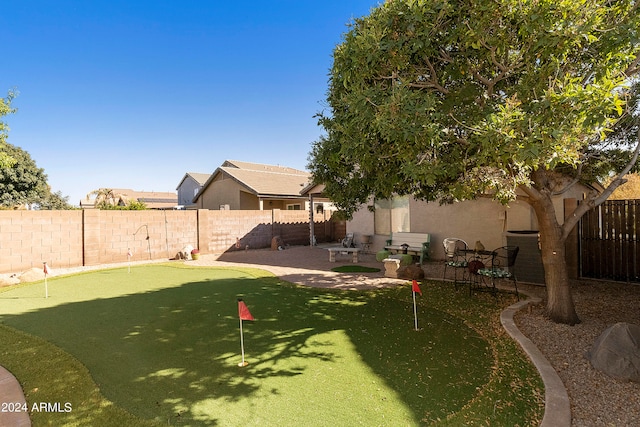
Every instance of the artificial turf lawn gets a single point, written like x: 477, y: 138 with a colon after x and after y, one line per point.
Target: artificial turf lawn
x: 355, y: 269
x: 162, y: 342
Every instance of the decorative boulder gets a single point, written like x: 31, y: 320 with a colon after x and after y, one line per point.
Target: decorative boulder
x: 616, y: 352
x: 9, y: 280
x: 185, y: 253
x: 277, y: 244
x: 411, y: 272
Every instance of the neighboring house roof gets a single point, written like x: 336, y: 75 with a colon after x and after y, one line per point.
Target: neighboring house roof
x: 152, y: 199
x: 313, y: 189
x: 200, y: 178
x: 261, y: 179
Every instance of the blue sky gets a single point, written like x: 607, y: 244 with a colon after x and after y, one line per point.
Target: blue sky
x: 135, y: 93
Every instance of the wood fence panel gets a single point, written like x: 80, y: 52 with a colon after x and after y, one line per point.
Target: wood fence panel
x: 609, y: 244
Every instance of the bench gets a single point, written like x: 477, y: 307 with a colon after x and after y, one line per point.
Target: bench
x: 352, y: 251
x: 410, y: 243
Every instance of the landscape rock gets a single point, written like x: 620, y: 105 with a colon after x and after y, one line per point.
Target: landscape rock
x: 185, y: 253
x: 33, y: 275
x: 616, y: 352
x: 277, y: 244
x: 9, y: 280
x: 411, y: 272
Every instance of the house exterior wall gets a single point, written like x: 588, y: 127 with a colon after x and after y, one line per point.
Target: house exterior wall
x: 187, y: 191
x: 284, y: 204
x: 222, y: 191
x: 481, y: 220
x: 249, y: 201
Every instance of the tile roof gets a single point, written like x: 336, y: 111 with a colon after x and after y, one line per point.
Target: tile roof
x: 200, y: 178
x: 153, y: 199
x: 265, y: 180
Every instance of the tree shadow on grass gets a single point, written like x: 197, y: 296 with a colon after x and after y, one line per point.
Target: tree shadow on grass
x: 172, y: 353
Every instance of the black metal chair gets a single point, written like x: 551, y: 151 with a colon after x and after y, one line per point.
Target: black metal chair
x: 502, y: 267
x: 455, y: 258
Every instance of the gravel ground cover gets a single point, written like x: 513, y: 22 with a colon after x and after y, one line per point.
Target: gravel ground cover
x: 596, y: 399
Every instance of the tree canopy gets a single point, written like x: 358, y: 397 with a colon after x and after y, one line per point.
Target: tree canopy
x: 455, y: 99
x: 23, y: 183
x: 5, y: 109
x: 458, y: 97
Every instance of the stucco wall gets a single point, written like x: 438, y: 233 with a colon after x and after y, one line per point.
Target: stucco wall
x: 483, y: 219
x: 186, y: 191
x: 222, y: 191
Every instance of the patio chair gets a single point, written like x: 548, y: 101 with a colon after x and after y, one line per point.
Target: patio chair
x: 502, y: 267
x: 348, y: 242
x: 455, y: 258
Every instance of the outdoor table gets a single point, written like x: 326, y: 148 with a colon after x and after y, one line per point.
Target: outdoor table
x: 470, y: 255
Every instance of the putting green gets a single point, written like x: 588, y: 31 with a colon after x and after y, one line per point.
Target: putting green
x: 163, y: 343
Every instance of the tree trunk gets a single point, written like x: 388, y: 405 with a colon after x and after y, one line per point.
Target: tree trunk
x: 560, y: 306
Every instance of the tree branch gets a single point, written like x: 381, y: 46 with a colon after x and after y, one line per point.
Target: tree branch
x: 634, y: 67
x: 504, y: 70
x: 571, y: 184
x: 596, y: 200
x: 619, y: 180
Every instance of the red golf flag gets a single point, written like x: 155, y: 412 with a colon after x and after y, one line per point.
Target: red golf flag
x: 45, y: 269
x: 243, y: 311
x: 415, y: 287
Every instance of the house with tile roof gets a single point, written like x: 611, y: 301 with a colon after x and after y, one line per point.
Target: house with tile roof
x: 190, y: 184
x: 237, y: 185
x: 151, y: 199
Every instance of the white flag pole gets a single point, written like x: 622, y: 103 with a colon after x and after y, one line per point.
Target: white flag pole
x: 46, y: 286
x: 243, y: 363
x: 129, y: 259
x: 415, y: 311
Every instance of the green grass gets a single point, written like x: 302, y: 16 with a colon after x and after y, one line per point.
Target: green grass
x: 160, y: 346
x: 355, y: 269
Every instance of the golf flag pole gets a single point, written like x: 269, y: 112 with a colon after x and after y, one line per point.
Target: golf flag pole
x: 415, y: 288
x: 129, y: 255
x: 243, y: 314
x: 45, y: 269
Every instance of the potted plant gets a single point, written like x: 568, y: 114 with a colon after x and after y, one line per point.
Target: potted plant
x: 195, y: 254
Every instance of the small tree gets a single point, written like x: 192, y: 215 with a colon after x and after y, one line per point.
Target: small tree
x: 453, y: 100
x: 55, y: 201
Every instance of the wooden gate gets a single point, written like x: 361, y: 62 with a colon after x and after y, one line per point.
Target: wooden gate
x: 609, y: 241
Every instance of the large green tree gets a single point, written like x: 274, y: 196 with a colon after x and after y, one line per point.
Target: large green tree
x: 455, y: 99
x: 23, y: 183
x: 5, y: 109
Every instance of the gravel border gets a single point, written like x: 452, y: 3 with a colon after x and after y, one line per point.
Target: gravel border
x: 596, y: 399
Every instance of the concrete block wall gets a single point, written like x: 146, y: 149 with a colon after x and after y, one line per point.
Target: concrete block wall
x: 225, y: 228
x: 91, y: 237
x: 29, y: 238
x: 110, y: 234
x: 292, y: 226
